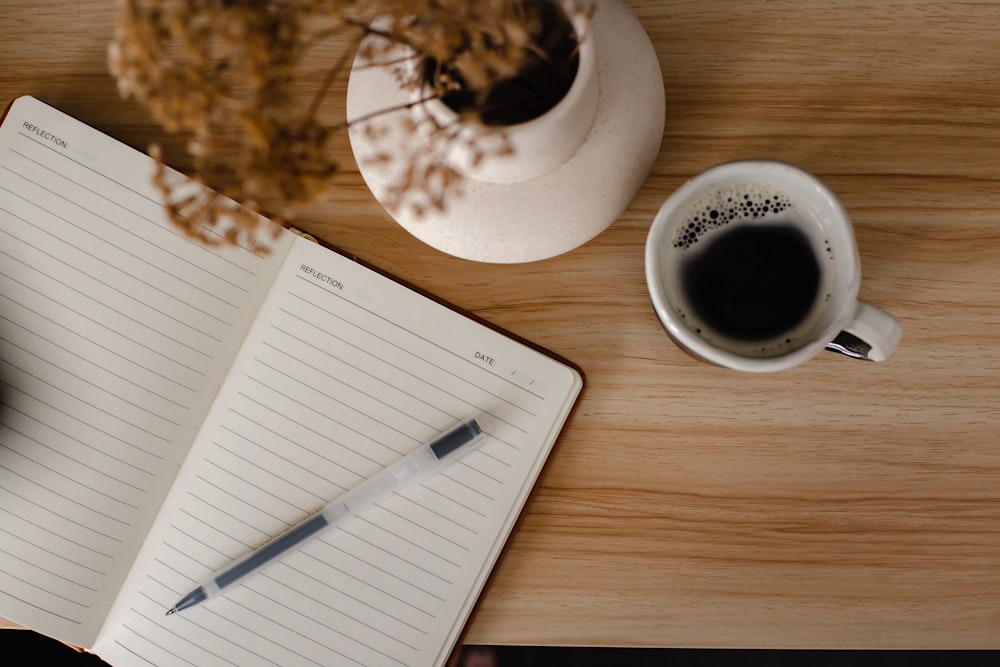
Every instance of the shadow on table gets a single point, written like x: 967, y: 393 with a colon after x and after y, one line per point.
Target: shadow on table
x: 21, y: 646
x: 518, y: 656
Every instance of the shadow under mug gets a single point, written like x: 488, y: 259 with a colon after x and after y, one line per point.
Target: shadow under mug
x: 760, y: 193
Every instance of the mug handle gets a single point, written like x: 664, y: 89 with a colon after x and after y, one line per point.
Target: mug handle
x: 872, y: 336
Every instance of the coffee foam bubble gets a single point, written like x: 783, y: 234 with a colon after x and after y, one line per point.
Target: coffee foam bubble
x: 741, y: 203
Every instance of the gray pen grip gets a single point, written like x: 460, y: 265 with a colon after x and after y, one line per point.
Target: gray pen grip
x: 272, y: 550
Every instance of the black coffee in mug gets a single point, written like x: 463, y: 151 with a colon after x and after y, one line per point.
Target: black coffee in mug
x: 751, y: 267
x: 753, y: 282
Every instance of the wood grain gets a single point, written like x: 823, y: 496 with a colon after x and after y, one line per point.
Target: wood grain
x: 839, y: 504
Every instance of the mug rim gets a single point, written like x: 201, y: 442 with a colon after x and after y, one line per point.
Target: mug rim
x: 660, y: 232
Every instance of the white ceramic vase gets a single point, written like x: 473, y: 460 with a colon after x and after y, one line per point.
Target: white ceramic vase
x: 573, y: 170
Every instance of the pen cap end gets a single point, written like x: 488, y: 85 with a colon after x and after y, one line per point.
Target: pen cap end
x: 454, y: 439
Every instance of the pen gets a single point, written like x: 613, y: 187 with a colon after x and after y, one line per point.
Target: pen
x: 409, y: 470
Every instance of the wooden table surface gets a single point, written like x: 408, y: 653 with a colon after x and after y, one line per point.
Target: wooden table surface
x: 839, y: 504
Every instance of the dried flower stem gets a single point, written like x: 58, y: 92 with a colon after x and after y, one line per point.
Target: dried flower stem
x: 232, y: 75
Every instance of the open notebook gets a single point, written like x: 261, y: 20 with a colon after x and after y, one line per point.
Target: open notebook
x: 166, y: 407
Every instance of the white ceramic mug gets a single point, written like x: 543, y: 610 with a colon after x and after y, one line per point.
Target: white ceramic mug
x: 740, y: 208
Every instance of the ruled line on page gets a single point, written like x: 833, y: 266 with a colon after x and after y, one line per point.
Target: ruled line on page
x: 227, y: 620
x: 58, y: 515
x: 40, y: 608
x: 172, y: 653
x: 424, y: 530
x: 345, y: 360
x: 136, y: 192
x: 467, y: 487
x: 47, y: 571
x: 55, y: 534
x: 295, y: 633
x: 68, y: 478
x: 89, y: 297
x: 497, y: 459
x: 65, y: 497
x: 187, y: 556
x: 104, y: 326
x: 76, y: 355
x: 271, y: 431
x: 145, y: 230
x: 319, y: 413
x: 436, y: 554
x: 357, y: 599
x: 299, y: 466
x: 62, y: 453
x: 143, y: 239
x: 451, y: 520
x: 327, y: 416
x: 109, y: 265
x: 328, y: 563
x: 88, y: 167
x: 390, y: 549
x: 326, y: 630
x: 83, y: 380
x: 234, y: 520
x: 90, y: 404
x: 76, y: 501
x: 257, y: 487
x: 113, y: 289
x: 339, y: 381
x: 477, y: 470
x: 120, y: 248
x: 92, y: 571
x: 203, y: 543
x: 80, y: 337
x: 83, y: 605
x: 225, y: 637
x: 334, y: 610
x: 133, y: 653
x: 387, y: 320
x: 222, y: 638
x: 420, y: 526
x: 270, y: 471
x: 45, y: 591
x: 483, y: 408
x: 218, y: 486
x: 376, y: 336
x: 174, y: 592
x: 199, y: 520
x: 451, y: 499
x: 330, y: 397
x: 54, y: 410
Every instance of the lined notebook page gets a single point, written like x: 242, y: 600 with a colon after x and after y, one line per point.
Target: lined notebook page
x: 114, y: 334
x: 344, y: 372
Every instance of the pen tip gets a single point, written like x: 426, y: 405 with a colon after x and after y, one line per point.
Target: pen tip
x: 170, y: 611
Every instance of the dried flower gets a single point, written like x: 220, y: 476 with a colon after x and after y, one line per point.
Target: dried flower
x: 235, y: 76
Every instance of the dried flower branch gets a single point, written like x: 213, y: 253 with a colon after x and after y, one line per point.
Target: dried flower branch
x: 238, y: 78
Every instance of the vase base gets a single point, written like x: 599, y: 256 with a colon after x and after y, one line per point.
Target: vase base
x: 563, y: 209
